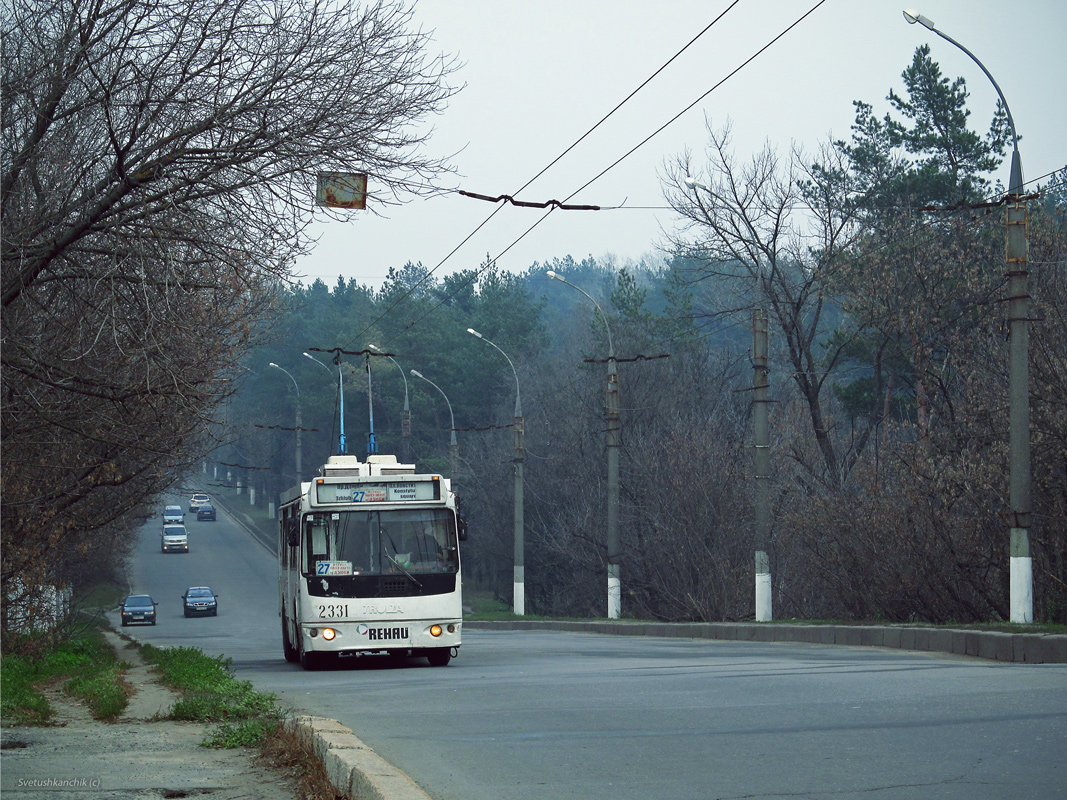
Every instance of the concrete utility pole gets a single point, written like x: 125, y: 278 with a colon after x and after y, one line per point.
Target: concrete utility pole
x: 761, y: 508
x: 761, y: 490
x: 614, y: 427
x: 1021, y: 591
x: 519, y: 591
x: 1021, y: 563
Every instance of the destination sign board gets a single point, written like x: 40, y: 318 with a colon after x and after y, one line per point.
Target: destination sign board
x: 392, y: 492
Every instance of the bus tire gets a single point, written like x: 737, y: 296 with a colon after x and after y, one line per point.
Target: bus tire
x: 439, y: 656
x: 292, y: 655
x: 308, y: 660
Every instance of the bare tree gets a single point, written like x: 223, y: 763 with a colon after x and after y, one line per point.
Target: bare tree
x: 157, y: 173
x: 774, y: 225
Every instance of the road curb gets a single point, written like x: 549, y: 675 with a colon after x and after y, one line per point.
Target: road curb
x: 1028, y: 648
x: 352, y: 768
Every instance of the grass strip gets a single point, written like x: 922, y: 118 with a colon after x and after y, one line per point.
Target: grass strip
x: 211, y: 693
x: 86, y: 659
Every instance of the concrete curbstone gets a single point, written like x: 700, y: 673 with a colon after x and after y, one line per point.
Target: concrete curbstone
x: 351, y: 767
x: 939, y: 640
x: 1054, y: 649
x: 959, y: 642
x: 761, y: 632
x: 871, y: 636
x: 1031, y: 648
x: 846, y: 636
x: 996, y: 646
x: 325, y: 741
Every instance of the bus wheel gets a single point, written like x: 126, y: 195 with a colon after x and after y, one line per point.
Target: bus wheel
x: 292, y: 655
x: 439, y: 657
x: 309, y: 661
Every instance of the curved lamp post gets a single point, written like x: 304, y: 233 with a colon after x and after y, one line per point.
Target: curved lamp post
x: 453, y: 447
x: 519, y: 602
x: 1021, y: 591
x: 299, y: 470
x: 405, y: 423
x: 342, y: 447
x: 611, y: 418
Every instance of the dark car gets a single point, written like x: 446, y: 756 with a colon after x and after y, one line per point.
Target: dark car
x: 205, y: 512
x: 139, y: 608
x: 200, y: 601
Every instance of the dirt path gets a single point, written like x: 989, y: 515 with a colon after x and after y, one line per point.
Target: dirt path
x: 135, y: 758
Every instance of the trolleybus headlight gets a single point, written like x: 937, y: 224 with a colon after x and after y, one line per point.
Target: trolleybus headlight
x: 328, y: 633
x: 435, y: 630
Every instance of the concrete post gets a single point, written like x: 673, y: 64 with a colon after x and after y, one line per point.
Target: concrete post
x: 611, y: 417
x: 1021, y: 566
x: 519, y: 604
x: 761, y: 489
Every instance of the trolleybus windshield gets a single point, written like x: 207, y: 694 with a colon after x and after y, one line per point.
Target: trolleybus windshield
x: 413, y: 541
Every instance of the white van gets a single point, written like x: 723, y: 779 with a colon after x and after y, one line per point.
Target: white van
x: 174, y: 539
x: 173, y: 515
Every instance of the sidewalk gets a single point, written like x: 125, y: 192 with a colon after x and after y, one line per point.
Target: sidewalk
x: 137, y: 756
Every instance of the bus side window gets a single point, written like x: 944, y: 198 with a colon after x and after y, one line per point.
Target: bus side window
x: 291, y: 528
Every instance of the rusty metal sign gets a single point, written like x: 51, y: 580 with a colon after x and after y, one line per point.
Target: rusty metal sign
x: 341, y: 190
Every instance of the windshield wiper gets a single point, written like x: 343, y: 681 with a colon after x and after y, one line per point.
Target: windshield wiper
x: 401, y: 568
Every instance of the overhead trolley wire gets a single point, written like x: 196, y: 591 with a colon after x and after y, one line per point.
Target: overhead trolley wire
x: 552, y: 163
x: 622, y: 158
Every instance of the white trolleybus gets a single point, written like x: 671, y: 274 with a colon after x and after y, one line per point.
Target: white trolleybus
x: 368, y: 560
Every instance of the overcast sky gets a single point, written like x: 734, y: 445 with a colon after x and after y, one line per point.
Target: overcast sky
x: 539, y: 74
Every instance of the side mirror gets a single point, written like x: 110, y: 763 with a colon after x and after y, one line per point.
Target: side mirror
x: 293, y: 539
x: 462, y: 529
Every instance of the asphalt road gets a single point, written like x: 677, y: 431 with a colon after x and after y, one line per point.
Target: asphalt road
x: 546, y: 715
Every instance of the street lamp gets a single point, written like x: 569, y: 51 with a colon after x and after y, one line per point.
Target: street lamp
x: 1021, y: 591
x: 1015, y: 181
x: 613, y: 424
x: 519, y: 603
x: 405, y: 423
x: 299, y: 471
x: 342, y: 447
x: 453, y: 446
